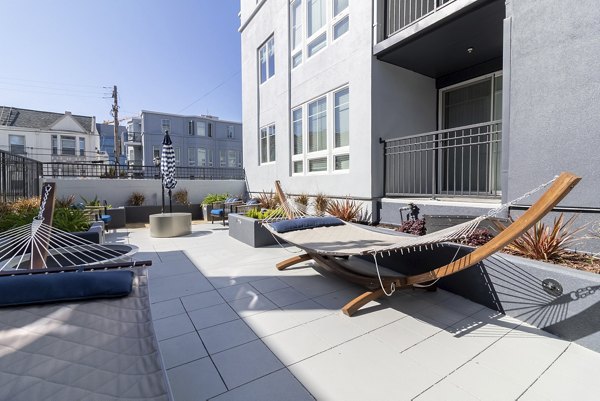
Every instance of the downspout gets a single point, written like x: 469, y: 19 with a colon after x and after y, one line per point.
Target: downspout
x: 506, y: 89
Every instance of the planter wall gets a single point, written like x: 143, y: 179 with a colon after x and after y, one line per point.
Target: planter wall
x: 141, y: 214
x: 249, y: 231
x: 118, y: 218
x: 514, y: 286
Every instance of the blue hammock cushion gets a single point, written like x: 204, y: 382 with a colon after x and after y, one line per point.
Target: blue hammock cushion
x: 57, y: 287
x: 216, y: 212
x: 285, y: 226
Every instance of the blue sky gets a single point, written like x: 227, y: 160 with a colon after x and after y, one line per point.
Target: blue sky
x: 163, y: 56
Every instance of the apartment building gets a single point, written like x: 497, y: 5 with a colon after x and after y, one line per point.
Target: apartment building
x: 455, y: 100
x: 49, y: 137
x: 107, y: 141
x: 198, y: 141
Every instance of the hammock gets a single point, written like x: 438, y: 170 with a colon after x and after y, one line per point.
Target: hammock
x: 325, y: 244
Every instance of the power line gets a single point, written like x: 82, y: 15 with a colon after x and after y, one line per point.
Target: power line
x: 209, y: 92
x: 52, y: 83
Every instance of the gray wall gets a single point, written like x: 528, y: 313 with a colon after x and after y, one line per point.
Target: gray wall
x: 152, y: 135
x: 554, y: 96
x: 117, y: 191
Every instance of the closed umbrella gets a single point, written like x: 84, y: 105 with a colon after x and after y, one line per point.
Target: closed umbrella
x: 167, y: 168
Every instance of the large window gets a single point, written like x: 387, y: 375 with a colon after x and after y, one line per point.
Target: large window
x: 201, y: 128
x: 202, y: 162
x: 230, y: 132
x: 317, y: 14
x: 165, y: 125
x: 67, y: 144
x: 266, y: 56
x: 322, y: 145
x: 17, y: 144
x: 317, y: 125
x: 267, y: 144
x: 54, y: 145
x: 192, y: 157
x: 232, y: 158
x: 177, y: 156
x: 81, y: 146
x: 156, y: 154
x: 296, y: 32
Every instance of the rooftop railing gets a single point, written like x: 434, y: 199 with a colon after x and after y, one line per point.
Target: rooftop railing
x: 402, y: 13
x: 462, y: 161
x: 72, y: 170
x: 19, y: 177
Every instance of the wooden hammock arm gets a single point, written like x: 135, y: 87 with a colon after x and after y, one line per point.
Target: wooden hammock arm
x: 282, y: 200
x: 559, y: 189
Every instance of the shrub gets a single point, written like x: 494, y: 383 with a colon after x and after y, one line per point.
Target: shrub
x: 302, y: 199
x: 25, y: 205
x: 65, y: 201
x: 181, y: 196
x: 212, y: 198
x: 12, y: 219
x: 321, y: 202
x: 413, y: 226
x: 68, y: 219
x: 478, y: 237
x: 545, y: 242
x: 136, y: 199
x: 91, y: 202
x: 347, y: 209
x: 265, y: 214
x: 268, y: 200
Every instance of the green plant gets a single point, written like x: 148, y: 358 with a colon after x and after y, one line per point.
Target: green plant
x: 91, y: 202
x: 265, y: 214
x: 321, y: 202
x: 70, y: 220
x: 268, y: 200
x: 136, y: 199
x: 11, y: 219
x: 546, y: 242
x: 347, y: 209
x: 302, y: 199
x: 65, y: 201
x: 181, y: 196
x: 212, y: 198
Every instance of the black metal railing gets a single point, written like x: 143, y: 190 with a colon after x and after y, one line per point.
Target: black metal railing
x: 19, y: 177
x: 402, y: 13
x: 92, y: 170
x: 462, y: 161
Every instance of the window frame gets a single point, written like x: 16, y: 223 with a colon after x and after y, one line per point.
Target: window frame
x: 230, y: 132
x: 267, y: 129
x: 163, y: 125
x: 62, y: 147
x: 201, y: 132
x: 81, y: 146
x: 24, y: 145
x: 269, y: 47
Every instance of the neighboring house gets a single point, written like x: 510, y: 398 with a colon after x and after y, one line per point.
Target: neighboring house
x: 49, y: 137
x: 107, y: 141
x: 421, y: 99
x: 198, y: 141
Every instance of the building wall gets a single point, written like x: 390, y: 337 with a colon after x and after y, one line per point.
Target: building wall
x: 553, y: 120
x: 152, y: 136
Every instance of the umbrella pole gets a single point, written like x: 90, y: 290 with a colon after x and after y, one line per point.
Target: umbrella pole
x: 170, y: 202
x: 162, y: 210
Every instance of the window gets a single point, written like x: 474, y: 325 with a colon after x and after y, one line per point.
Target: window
x: 298, y: 166
x: 266, y: 56
x: 17, y: 144
x: 156, y: 155
x: 177, y: 156
x: 232, y: 158
x: 316, y: 16
x: 296, y: 60
x: 202, y: 157
x: 201, y: 128
x: 54, y: 145
x: 230, y: 131
x: 297, y: 131
x: 317, y: 125
x: 191, y: 127
x: 81, y: 146
x: 165, y: 125
x: 67, y: 144
x: 339, y: 6
x: 342, y: 162
x: 267, y: 144
x: 341, y: 27
x: 210, y: 130
x: 191, y: 157
x: 341, y: 118
x: 209, y: 157
x: 316, y: 45
x: 222, y: 160
x: 296, y: 32
x: 316, y: 165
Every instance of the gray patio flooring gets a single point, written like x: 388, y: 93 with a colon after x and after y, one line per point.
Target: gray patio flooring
x: 232, y: 327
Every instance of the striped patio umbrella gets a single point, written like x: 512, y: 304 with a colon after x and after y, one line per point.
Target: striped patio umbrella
x: 167, y: 167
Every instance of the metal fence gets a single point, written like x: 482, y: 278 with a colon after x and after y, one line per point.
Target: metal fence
x: 19, y: 177
x: 463, y: 161
x: 91, y: 170
x: 401, y: 13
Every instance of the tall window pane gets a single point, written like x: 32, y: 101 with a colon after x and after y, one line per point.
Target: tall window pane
x: 231, y: 158
x: 316, y: 16
x: 201, y: 128
x: 339, y: 6
x: 263, y: 146
x: 342, y: 120
x: 192, y: 157
x: 262, y: 55
x: 296, y: 29
x: 54, y: 145
x: 272, y: 143
x: 81, y: 146
x: 297, y: 131
x: 317, y: 125
x: 165, y: 125
x: 202, y: 157
x: 271, y: 51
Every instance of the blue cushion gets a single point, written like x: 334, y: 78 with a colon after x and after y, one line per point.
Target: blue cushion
x: 302, y: 224
x: 106, y: 218
x: 69, y: 286
x: 216, y: 212
x: 252, y: 202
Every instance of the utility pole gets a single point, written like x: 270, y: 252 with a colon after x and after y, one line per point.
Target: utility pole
x: 115, y: 114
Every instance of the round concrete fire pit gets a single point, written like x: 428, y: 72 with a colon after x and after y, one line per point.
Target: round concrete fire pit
x: 166, y: 225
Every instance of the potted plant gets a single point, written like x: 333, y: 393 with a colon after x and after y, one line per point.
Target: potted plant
x: 248, y: 228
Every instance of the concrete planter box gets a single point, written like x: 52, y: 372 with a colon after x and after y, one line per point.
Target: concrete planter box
x: 118, y: 218
x: 249, y: 231
x: 515, y: 286
x: 141, y: 214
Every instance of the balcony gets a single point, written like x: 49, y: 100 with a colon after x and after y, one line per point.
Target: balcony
x: 133, y: 139
x: 438, y: 37
x: 462, y: 161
